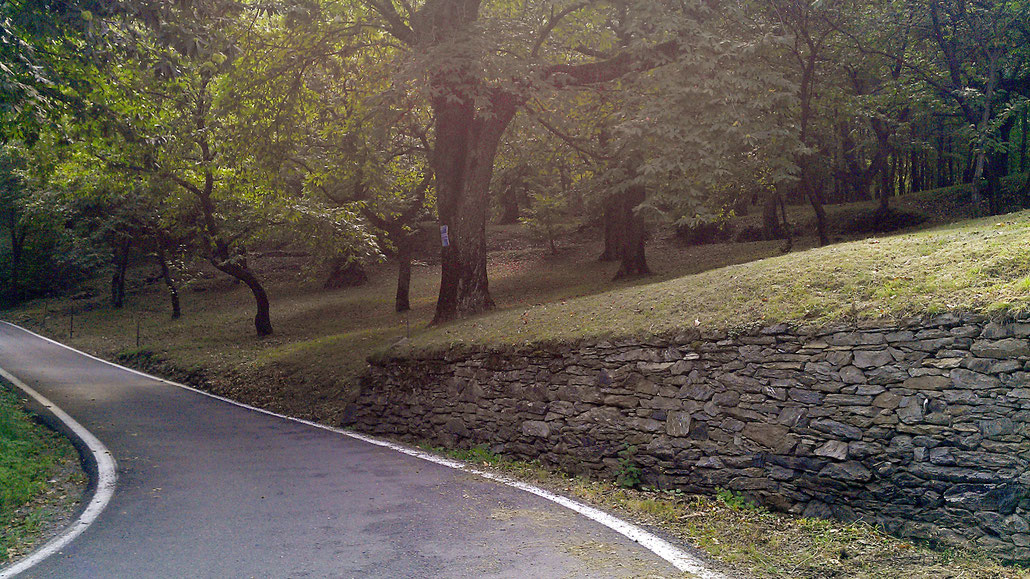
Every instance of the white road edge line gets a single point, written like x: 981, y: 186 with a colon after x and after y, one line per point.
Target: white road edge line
x: 107, y: 476
x: 683, y: 561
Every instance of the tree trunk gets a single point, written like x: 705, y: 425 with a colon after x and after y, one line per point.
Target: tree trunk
x: 916, y: 170
x: 463, y: 161
x: 222, y: 259
x: 811, y: 190
x: 121, y: 264
x: 1024, y: 163
x: 885, y: 190
x: 996, y: 166
x: 807, y: 177
x: 613, y: 232
x: 771, y: 228
x: 815, y: 199
x: 262, y: 319
x: 985, y: 118
x: 15, y: 294
x: 633, y: 234
x: 509, y: 201
x: 405, y: 247
x: 166, y: 275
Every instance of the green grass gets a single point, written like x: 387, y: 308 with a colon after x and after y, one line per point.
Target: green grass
x: 980, y: 265
x: 35, y: 465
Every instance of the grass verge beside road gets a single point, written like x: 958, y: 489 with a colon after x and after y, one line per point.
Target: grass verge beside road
x: 41, y: 480
x: 748, y: 540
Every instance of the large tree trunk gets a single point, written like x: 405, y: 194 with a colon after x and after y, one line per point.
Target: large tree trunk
x: 463, y: 161
x: 613, y: 230
x: 633, y: 234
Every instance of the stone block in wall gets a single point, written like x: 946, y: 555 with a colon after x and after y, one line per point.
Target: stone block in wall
x: 1004, y: 348
x: 768, y: 435
x: 837, y: 429
x: 834, y: 449
x: 963, y: 378
x: 866, y: 359
x: 999, y: 498
x: 927, y: 382
x: 536, y: 428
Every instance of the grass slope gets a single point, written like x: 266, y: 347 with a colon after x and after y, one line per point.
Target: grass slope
x: 981, y: 265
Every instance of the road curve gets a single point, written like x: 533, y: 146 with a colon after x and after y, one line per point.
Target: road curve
x: 211, y: 489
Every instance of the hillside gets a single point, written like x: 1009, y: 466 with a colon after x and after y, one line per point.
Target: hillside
x: 980, y: 265
x: 323, y: 338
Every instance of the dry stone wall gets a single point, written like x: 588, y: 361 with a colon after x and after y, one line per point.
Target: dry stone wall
x: 923, y: 428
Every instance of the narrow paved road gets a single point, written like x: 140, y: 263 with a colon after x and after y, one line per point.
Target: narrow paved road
x: 209, y: 489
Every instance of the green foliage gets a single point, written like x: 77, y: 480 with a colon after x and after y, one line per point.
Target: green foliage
x: 735, y: 500
x: 46, y: 249
x: 699, y: 230
x: 548, y: 218
x: 628, y: 474
x: 479, y: 454
x: 29, y: 457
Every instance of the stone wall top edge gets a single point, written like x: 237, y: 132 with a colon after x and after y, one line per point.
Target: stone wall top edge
x: 686, y: 337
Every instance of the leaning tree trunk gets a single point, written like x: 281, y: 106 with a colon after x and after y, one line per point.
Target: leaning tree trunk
x: 634, y: 234
x: 811, y: 191
x: 221, y: 257
x: 262, y: 319
x: 463, y: 160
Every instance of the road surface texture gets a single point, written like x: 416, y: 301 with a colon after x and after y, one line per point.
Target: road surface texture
x: 209, y: 489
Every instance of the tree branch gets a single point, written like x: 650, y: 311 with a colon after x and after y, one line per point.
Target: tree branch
x: 395, y: 24
x: 612, y: 68
x: 552, y: 23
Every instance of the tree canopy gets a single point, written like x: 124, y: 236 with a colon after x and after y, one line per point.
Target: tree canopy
x: 207, y: 126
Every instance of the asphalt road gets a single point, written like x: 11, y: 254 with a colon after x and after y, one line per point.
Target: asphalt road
x: 209, y: 489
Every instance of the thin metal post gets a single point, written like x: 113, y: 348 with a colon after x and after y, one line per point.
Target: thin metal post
x: 71, y: 324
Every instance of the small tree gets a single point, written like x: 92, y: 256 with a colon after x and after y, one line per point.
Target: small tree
x: 548, y: 218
